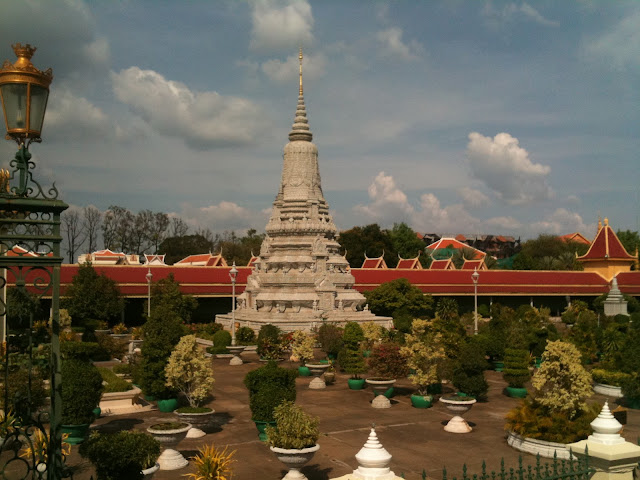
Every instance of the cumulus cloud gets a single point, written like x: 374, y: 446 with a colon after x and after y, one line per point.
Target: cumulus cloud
x: 287, y: 71
x: 391, y: 44
x: 280, y: 25
x: 387, y: 200
x: 561, y: 221
x: 504, y: 223
x: 511, y: 12
x: 472, y: 198
x: 504, y: 166
x: 619, y: 46
x: 223, y: 216
x: 203, y: 120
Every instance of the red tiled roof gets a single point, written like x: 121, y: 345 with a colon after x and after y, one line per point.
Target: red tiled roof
x: 252, y: 260
x: 460, y: 237
x: 606, y: 245
x: 374, y: 263
x: 575, y: 237
x: 445, y: 264
x: 474, y: 265
x: 409, y: 264
x: 453, y: 243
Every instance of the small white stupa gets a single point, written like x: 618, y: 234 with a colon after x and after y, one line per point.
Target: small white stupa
x: 373, y: 460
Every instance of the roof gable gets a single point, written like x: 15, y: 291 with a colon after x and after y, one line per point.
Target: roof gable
x: 374, y: 262
x: 474, y: 265
x: 606, y: 245
x: 445, y: 264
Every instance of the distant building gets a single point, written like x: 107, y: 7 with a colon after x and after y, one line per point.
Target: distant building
x: 498, y: 246
x: 606, y: 255
x: 108, y: 257
x: 204, y: 260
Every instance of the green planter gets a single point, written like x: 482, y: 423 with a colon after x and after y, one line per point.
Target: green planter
x: 366, y: 353
x: 97, y: 412
x: 150, y: 398
x: 262, y: 427
x: 304, y: 371
x: 389, y: 392
x: 356, y: 383
x: 77, y: 433
x: 633, y: 403
x: 168, y: 405
x: 515, y: 392
x: 498, y: 366
x: 421, y: 401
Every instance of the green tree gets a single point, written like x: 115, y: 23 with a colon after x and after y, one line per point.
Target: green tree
x: 92, y: 297
x: 630, y: 240
x: 407, y: 244
x: 399, y: 297
x: 177, y: 248
x: 166, y: 294
x: 548, y: 252
x: 370, y: 240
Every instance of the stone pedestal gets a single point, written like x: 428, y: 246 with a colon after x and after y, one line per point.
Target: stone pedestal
x: 317, y: 369
x: 615, y: 304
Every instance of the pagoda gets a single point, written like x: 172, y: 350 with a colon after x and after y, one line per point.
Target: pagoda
x: 300, y: 279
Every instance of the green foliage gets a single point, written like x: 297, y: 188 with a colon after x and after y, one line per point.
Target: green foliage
x: 607, y: 377
x: 330, y: 338
x: 161, y: 334
x: 205, y: 330
x: 81, y: 390
x: 407, y: 244
x: 84, y: 350
x: 424, y: 350
x: 631, y: 387
x: 294, y: 427
x: 270, y: 342
x: 369, y: 240
x: 630, y: 240
x: 561, y: 383
x: 166, y: 294
x: 189, y: 371
x: 120, y: 455
x: 387, y: 361
x: 23, y: 401
x: 245, y: 336
x: 302, y: 344
x: 399, y: 297
x: 468, y: 372
x: 92, y: 296
x: 533, y: 420
x: 21, y: 304
x: 123, y: 368
x: 112, y: 382
x: 548, y: 252
x: 268, y: 387
x: 516, y: 367
x: 221, y: 338
x: 353, y: 334
x: 113, y: 346
x: 372, y: 334
x: 584, y: 335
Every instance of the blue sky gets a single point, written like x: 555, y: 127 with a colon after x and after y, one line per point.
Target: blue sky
x: 511, y: 117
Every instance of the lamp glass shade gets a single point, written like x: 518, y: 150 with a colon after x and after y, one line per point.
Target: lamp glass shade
x: 39, y: 96
x: 14, y: 104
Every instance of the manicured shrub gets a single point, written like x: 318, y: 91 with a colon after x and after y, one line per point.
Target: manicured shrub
x: 330, y: 338
x: 114, y: 347
x: 189, y: 371
x: 631, y: 387
x: 221, y: 340
x: 294, y: 427
x: 387, y: 361
x: 123, y: 368
x: 269, y: 386
x: 245, y: 336
x: 112, y: 382
x: 22, y: 401
x: 81, y: 390
x: 609, y: 378
x: 425, y: 355
x: 516, y: 367
x: 302, y: 344
x: 270, y: 342
x: 468, y: 372
x: 120, y: 455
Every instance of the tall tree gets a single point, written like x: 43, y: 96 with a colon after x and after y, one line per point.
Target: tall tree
x: 407, y: 244
x: 177, y: 248
x: 117, y: 227
x: 158, y: 229
x: 92, y: 222
x: 369, y: 240
x: 177, y: 227
x: 548, y: 252
x: 140, y: 236
x: 630, y: 240
x: 73, y: 231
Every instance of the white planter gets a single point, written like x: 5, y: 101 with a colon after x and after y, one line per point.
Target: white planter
x: 608, y: 390
x: 537, y: 447
x: 379, y: 386
x: 120, y: 403
x: 295, y: 459
x: 460, y: 406
x: 171, y: 459
x: 148, y: 472
x: 317, y: 369
x: 197, y: 420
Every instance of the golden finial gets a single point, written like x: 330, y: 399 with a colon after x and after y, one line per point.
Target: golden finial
x: 599, y: 223
x: 300, y: 59
x: 606, y: 222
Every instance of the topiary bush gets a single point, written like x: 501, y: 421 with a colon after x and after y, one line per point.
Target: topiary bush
x: 269, y: 386
x: 295, y: 429
x: 269, y: 342
x: 302, y: 344
x: 387, y: 361
x: 631, y: 387
x: 468, y: 372
x: 120, y: 455
x: 330, y: 339
x: 81, y: 390
x: 609, y: 378
x: 112, y: 382
x: 189, y: 371
x: 245, y: 336
x: 516, y: 367
x: 425, y: 355
x: 221, y: 340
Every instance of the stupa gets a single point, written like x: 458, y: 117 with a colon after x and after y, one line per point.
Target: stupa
x: 300, y: 278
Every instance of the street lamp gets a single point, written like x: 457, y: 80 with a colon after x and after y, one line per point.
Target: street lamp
x: 475, y: 276
x: 30, y: 220
x: 233, y: 274
x: 149, y: 277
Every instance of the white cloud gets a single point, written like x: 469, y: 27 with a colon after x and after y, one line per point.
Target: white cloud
x: 387, y: 201
x: 473, y: 198
x: 223, y: 216
x: 313, y: 66
x: 203, y: 120
x: 504, y: 166
x: 496, y: 17
x: 281, y: 25
x: 618, y: 47
x: 504, y: 223
x: 391, y: 44
x: 561, y: 222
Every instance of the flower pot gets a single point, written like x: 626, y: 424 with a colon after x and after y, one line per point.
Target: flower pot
x: 170, y: 459
x: 304, y: 371
x: 77, y: 433
x: 498, y: 366
x: 198, y: 420
x: 148, y: 472
x: 295, y: 459
x: 97, y: 412
x: 356, y: 383
x: 317, y: 369
x: 262, y: 427
x: 329, y: 377
x: 380, y: 388
x: 168, y: 405
x: 421, y: 401
x: 458, y: 405
x: 516, y: 392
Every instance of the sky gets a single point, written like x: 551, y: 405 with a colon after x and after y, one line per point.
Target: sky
x: 459, y: 116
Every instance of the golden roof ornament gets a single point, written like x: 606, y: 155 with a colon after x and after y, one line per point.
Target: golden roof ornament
x: 23, y: 67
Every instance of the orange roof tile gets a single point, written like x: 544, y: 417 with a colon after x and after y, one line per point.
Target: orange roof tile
x: 445, y: 264
x: 474, y: 265
x: 606, y: 245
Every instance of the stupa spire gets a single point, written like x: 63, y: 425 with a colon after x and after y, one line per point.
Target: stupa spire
x: 300, y: 130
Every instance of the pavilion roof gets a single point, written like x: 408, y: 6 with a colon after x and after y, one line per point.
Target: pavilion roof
x: 606, y: 246
x: 474, y: 265
x: 445, y: 264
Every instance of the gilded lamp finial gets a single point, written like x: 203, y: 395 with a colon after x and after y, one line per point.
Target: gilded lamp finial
x: 300, y: 59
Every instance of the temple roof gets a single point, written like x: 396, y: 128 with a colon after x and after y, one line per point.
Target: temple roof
x: 377, y: 262
x: 606, y: 246
x: 575, y: 237
x: 474, y: 265
x: 409, y: 263
x: 205, y: 259
x: 445, y: 264
x: 452, y: 243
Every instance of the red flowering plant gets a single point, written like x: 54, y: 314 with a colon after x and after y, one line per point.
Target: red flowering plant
x: 387, y: 361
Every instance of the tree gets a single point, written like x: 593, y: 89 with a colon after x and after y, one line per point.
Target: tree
x: 92, y: 297
x: 189, y: 371
x: 178, y: 227
x: 425, y: 353
x: 116, y: 228
x: 548, y: 252
x: 398, y: 297
x: 158, y: 229
x: 73, y: 232
x: 166, y: 294
x: 92, y: 221
x: 630, y: 240
x: 177, y: 248
x: 407, y: 244
x: 369, y: 240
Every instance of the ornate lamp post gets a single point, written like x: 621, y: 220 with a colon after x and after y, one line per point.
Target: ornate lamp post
x: 234, y: 349
x: 30, y: 229
x: 149, y: 277
x: 475, y: 276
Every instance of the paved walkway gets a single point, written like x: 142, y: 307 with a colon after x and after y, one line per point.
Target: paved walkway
x: 414, y: 437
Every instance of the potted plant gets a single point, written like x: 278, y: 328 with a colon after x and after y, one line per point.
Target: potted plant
x: 212, y: 463
x: 191, y: 373
x: 170, y: 434
x: 294, y: 438
x: 631, y: 391
x: 330, y: 373
x: 372, y: 334
x: 270, y: 343
x: 81, y: 391
x: 302, y: 350
x: 351, y: 358
x: 516, y: 371
x: 330, y: 339
x: 245, y: 336
x: 268, y: 386
x: 424, y: 352
x: 468, y: 372
x: 387, y: 363
x: 120, y: 329
x: 125, y: 454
